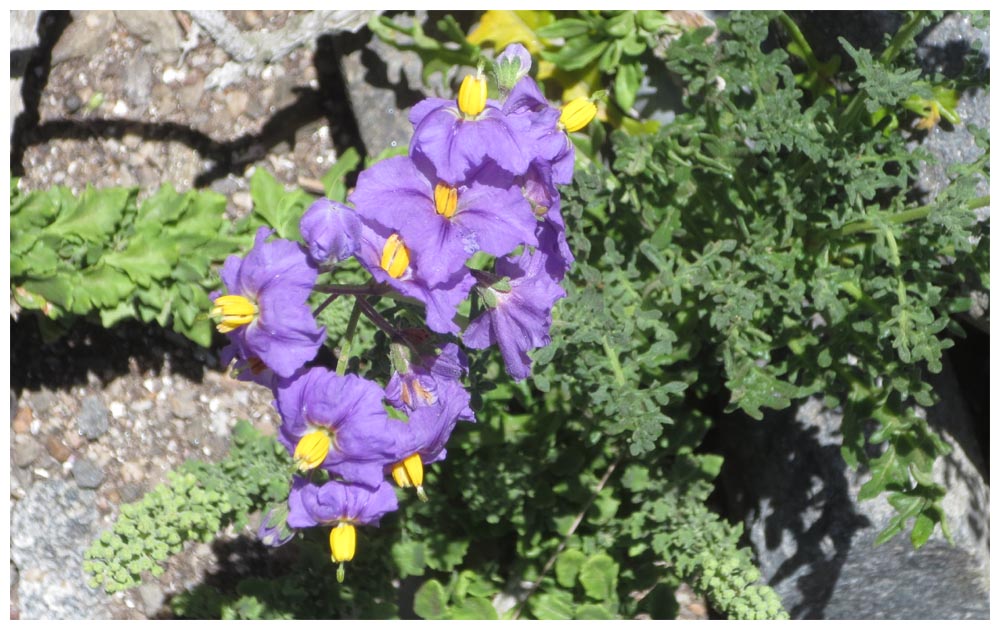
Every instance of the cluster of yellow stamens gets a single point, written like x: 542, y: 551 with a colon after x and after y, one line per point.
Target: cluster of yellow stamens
x: 577, y: 114
x: 445, y: 200
x: 395, y: 256
x: 472, y: 95
x: 232, y: 311
x: 312, y: 449
x: 409, y: 473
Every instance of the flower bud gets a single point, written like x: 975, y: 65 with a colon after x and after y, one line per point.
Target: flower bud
x: 512, y: 65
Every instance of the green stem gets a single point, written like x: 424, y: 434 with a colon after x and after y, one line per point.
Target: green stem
x: 351, y: 289
x: 616, y: 366
x: 906, y: 216
x: 799, y: 38
x: 345, y: 343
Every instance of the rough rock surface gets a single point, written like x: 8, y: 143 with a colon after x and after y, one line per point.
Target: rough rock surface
x: 815, y: 542
x: 50, y: 528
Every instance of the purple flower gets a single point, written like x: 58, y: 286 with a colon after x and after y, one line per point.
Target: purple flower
x: 517, y: 319
x: 442, y: 224
x: 541, y: 191
x: 336, y: 502
x: 265, y: 313
x: 330, y: 229
x: 433, y: 380
x: 386, y: 256
x: 337, y: 423
x: 550, y: 148
x: 458, y: 143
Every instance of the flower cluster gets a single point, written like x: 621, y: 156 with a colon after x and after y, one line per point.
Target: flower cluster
x: 481, y: 176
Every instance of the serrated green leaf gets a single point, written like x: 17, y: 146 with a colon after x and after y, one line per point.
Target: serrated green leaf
x: 95, y: 215
x: 410, y: 557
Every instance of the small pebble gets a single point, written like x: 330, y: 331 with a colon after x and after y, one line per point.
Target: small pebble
x: 73, y: 103
x: 57, y: 449
x: 117, y: 409
x: 26, y: 452
x: 93, y: 418
x: 87, y: 474
x: 22, y: 421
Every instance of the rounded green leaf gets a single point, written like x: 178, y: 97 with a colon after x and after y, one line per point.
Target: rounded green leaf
x: 430, y: 600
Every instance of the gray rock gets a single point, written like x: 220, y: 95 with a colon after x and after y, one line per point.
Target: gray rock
x: 87, y: 474
x: 945, y: 48
x: 27, y: 450
x: 139, y: 82
x: 23, y: 37
x: 158, y: 28
x: 42, y: 401
x: 382, y: 84
x: 814, y: 541
x: 86, y: 36
x: 50, y: 529
x: 183, y: 405
x: 152, y: 597
x: 93, y: 418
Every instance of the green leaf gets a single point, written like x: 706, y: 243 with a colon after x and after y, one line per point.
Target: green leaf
x: 410, y: 557
x: 547, y: 606
x: 593, y: 611
x: 627, y: 81
x: 599, y: 576
x: 144, y: 261
x: 95, y: 216
x: 445, y: 555
x: 923, y: 527
x: 333, y: 179
x: 566, y: 28
x: 430, y: 600
x: 473, y: 608
x: 568, y: 567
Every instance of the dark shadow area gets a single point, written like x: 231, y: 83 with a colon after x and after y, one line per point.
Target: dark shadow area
x: 972, y: 373
x: 231, y: 157
x: 797, y: 500
x: 36, y: 68
x: 106, y: 352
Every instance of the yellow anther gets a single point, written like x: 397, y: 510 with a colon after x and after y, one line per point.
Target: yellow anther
x: 445, y: 200
x: 343, y: 541
x: 577, y: 114
x: 312, y: 449
x: 232, y: 311
x: 409, y: 472
x: 395, y: 256
x: 472, y: 95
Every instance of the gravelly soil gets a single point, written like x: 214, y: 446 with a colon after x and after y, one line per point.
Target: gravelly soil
x: 122, y: 114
